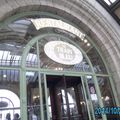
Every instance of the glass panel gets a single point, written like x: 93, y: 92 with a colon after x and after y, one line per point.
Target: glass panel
x: 31, y: 60
x: 10, y: 49
x: 48, y: 63
x: 97, y: 62
x: 9, y: 94
x: 36, y: 98
x: 107, y: 95
x: 66, y: 98
x: 33, y: 95
x: 93, y: 96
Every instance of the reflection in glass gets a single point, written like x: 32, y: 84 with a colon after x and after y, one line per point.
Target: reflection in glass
x: 93, y: 95
x: 47, y: 63
x: 66, y: 98
x: 9, y: 103
x: 36, y: 100
x: 96, y: 61
x: 107, y: 95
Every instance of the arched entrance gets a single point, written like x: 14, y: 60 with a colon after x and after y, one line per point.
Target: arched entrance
x: 54, y: 78
x: 34, y: 76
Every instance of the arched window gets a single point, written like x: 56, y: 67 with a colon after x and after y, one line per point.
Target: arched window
x: 46, y: 55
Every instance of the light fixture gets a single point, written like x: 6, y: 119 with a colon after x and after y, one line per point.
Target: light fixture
x: 34, y: 97
x: 72, y: 88
x: 89, y: 77
x: 88, y: 44
x: 102, y: 97
x: 11, y: 45
x: 4, y: 75
x: 59, y: 94
x: 82, y: 102
x: 30, y: 73
x: 107, y: 98
x: 59, y: 68
x: 85, y: 40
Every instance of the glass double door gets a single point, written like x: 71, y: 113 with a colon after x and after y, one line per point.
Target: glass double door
x: 57, y: 97
x: 66, y: 98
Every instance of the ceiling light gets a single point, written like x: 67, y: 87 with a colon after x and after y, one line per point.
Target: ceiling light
x: 72, y: 88
x: 102, y: 97
x: 18, y: 46
x: 30, y: 73
x: 59, y: 68
x: 59, y: 94
x: 56, y: 68
x: 89, y: 77
x: 85, y: 40
x: 4, y: 76
x: 107, y: 98
x: 88, y: 44
x: 10, y: 45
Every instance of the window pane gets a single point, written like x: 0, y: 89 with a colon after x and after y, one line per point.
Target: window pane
x: 96, y: 60
x: 107, y: 95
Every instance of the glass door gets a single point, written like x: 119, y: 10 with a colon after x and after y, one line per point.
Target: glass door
x: 66, y: 98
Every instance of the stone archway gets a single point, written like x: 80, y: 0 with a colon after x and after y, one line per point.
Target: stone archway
x: 87, y: 15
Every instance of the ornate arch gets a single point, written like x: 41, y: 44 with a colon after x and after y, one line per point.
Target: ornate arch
x: 84, y: 14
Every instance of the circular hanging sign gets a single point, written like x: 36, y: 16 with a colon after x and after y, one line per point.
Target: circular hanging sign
x: 63, y: 52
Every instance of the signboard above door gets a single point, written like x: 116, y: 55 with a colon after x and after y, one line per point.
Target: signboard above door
x: 63, y: 52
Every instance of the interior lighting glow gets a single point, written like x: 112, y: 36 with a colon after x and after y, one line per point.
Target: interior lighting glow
x: 10, y: 45
x: 59, y: 68
x: 4, y: 76
x: 89, y: 77
x: 88, y: 44
x: 102, y: 97
x: 30, y: 73
x: 94, y: 97
x: 62, y: 52
x: 82, y: 102
x: 107, y: 98
x: 85, y: 41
